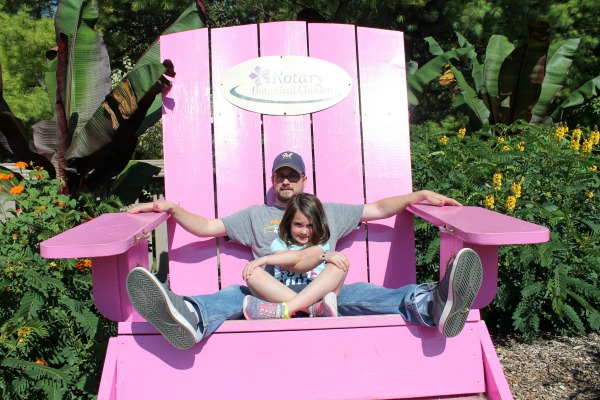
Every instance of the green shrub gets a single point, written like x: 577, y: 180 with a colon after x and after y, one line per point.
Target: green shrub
x: 51, y: 337
x: 546, y: 175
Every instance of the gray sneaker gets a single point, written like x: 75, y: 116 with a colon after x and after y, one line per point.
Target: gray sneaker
x: 166, y: 311
x: 326, y: 307
x: 455, y: 293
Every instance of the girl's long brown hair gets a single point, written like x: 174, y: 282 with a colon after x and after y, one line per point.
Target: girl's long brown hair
x: 309, y: 205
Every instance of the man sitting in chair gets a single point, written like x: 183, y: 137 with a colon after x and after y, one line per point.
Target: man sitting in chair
x: 184, y: 321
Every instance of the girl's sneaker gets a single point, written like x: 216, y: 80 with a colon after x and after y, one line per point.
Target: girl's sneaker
x: 255, y: 308
x: 327, y: 307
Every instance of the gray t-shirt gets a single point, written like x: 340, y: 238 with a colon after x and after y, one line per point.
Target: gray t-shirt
x: 257, y: 226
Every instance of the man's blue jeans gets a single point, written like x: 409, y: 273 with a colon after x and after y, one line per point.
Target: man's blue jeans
x: 356, y: 299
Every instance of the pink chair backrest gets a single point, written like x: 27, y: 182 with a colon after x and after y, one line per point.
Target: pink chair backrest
x: 217, y: 156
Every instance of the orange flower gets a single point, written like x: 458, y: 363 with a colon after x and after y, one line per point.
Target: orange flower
x: 41, y: 361
x: 87, y: 263
x: 21, y: 164
x: 17, y: 189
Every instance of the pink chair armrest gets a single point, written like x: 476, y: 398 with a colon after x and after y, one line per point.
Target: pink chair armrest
x: 109, y: 234
x: 482, y: 226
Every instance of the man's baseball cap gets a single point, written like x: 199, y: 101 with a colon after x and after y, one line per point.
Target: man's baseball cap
x: 289, y: 159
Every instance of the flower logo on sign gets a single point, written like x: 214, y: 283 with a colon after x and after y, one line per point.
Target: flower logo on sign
x: 259, y: 74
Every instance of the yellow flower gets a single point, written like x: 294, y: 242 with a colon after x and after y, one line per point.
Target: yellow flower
x: 497, y: 181
x: 589, y: 194
x: 21, y: 164
x: 521, y: 146
x: 461, y: 132
x: 575, y: 139
x: 594, y: 168
x: 444, y: 140
x: 489, y: 201
x: 505, y: 148
x: 559, y: 133
x: 515, y: 189
x: 61, y: 203
x: 595, y: 136
x: 16, y: 189
x: 53, y: 264
x: 23, y: 332
x: 511, y: 202
x: 500, y: 139
x: 587, y: 146
x: 42, y: 208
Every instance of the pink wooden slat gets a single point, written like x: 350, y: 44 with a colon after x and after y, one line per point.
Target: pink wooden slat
x: 238, y: 148
x: 282, y: 133
x: 337, y: 141
x: 361, y: 355
x: 294, y: 324
x: 482, y: 226
x: 386, y: 147
x: 188, y: 159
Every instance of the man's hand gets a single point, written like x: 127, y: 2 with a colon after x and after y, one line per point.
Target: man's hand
x: 156, y: 206
x: 437, y: 199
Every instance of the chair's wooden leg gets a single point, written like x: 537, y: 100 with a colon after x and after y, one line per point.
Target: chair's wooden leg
x: 496, y: 384
x: 108, y: 383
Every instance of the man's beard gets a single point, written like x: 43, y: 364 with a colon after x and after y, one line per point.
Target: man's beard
x: 288, y: 195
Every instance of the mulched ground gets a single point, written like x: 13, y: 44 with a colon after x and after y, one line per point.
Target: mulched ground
x: 553, y: 367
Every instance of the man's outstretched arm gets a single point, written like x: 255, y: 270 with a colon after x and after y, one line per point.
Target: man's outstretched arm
x: 389, y: 206
x: 193, y: 223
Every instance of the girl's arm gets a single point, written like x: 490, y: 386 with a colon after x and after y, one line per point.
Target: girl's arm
x: 298, y: 260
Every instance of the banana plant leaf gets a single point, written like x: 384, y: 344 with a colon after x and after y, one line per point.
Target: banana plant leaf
x: 119, y: 110
x: 86, y: 61
x: 497, y: 50
x: 557, y: 68
x: 469, y: 103
x: 192, y: 18
x: 430, y: 71
x: 50, y: 77
x: 586, y: 91
x: 81, y: 54
x: 434, y: 46
x: 16, y: 137
x: 522, y: 73
x: 130, y: 182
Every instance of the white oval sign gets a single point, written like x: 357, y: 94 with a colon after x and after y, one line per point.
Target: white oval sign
x: 285, y: 85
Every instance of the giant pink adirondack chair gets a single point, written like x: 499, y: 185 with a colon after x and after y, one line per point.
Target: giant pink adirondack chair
x: 217, y: 160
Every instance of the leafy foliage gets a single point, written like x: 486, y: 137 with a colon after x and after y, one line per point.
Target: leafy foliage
x: 94, y: 132
x: 546, y: 175
x: 51, y: 337
x: 513, y: 82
